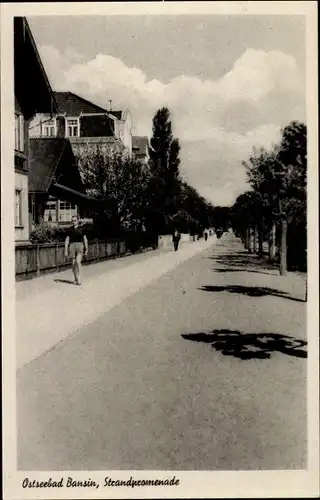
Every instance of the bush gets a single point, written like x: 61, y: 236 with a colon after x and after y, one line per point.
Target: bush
x: 60, y: 233
x: 43, y: 233
x: 134, y: 240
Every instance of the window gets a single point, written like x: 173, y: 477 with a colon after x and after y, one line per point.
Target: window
x: 50, y: 212
x: 33, y: 207
x: 66, y: 211
x: 19, y: 133
x: 72, y: 127
x: 49, y: 128
x: 17, y: 211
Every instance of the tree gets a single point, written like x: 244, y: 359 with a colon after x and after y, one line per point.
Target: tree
x: 121, y: 183
x: 221, y: 217
x: 164, y: 166
x: 291, y: 173
x: 161, y: 139
x: 197, y: 208
x: 278, y: 178
x: 259, y: 170
x: 174, y: 160
x: 244, y: 219
x: 172, y: 201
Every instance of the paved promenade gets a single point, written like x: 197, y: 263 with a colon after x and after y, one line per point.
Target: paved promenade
x: 194, y: 360
x: 50, y: 308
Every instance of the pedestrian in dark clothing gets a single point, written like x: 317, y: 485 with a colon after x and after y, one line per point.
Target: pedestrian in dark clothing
x: 176, y: 239
x: 76, y: 245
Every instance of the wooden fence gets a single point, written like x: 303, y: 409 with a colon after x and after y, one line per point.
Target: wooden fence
x: 34, y: 259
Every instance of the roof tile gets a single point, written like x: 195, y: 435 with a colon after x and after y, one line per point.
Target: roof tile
x: 73, y: 105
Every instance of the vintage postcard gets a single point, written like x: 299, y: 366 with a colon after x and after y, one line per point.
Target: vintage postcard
x: 160, y: 250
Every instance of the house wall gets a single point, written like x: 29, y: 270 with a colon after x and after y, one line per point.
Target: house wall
x: 90, y: 126
x: 96, y: 126
x: 140, y: 150
x: 127, y: 137
x: 34, y: 126
x: 123, y: 131
x: 21, y: 182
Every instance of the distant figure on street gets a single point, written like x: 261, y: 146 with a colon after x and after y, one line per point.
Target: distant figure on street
x: 206, y: 234
x: 76, y: 245
x: 176, y: 239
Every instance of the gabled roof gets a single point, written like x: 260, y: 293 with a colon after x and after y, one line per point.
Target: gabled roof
x: 117, y: 114
x: 74, y: 105
x: 140, y: 144
x: 46, y: 156
x: 31, y: 85
x: 120, y: 114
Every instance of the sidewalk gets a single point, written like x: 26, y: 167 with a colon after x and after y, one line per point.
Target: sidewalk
x: 49, y: 308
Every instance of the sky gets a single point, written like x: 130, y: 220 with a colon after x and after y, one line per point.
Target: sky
x: 230, y: 82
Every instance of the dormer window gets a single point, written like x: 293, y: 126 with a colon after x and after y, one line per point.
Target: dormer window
x: 72, y: 127
x: 49, y: 128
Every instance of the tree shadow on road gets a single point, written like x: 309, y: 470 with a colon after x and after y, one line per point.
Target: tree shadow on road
x: 250, y: 345
x: 244, y: 261
x: 241, y: 270
x: 250, y: 291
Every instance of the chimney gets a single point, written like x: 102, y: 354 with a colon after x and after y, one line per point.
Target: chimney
x: 110, y: 105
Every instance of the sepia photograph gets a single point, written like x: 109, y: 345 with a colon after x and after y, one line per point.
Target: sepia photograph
x: 160, y: 222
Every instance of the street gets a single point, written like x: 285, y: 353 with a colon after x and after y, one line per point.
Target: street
x: 200, y: 367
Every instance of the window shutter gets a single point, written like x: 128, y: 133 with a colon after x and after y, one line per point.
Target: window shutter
x: 16, y: 132
x: 21, y: 133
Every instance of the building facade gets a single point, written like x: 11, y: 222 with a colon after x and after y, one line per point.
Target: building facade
x: 33, y: 94
x: 86, y: 126
x: 55, y: 187
x: 140, y: 148
x: 123, y: 127
x: 81, y: 121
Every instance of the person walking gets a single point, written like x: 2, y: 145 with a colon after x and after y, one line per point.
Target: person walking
x: 176, y: 239
x: 206, y: 234
x: 76, y: 245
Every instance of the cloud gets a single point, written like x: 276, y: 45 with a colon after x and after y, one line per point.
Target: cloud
x: 57, y: 64
x: 217, y: 121
x: 257, y: 73
x: 214, y: 164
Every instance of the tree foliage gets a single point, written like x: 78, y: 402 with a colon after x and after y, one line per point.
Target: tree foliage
x: 122, y: 184
x: 153, y: 195
x: 277, y: 179
x: 161, y: 139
